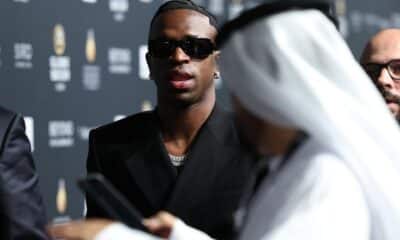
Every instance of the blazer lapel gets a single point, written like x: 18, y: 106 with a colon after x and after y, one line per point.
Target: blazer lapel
x: 201, y: 167
x: 5, y: 119
x: 150, y: 168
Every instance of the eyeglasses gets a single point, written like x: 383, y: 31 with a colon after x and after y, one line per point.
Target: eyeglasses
x: 393, y: 68
x: 196, y: 48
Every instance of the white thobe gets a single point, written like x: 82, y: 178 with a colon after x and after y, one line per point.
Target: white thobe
x: 314, y: 196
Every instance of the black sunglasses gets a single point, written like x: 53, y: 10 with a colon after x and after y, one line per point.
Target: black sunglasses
x: 375, y: 69
x: 196, y: 48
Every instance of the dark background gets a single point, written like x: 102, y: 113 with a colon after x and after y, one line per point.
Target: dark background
x: 62, y: 119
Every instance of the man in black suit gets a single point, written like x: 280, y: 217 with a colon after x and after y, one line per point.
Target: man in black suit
x: 184, y: 157
x: 23, y: 206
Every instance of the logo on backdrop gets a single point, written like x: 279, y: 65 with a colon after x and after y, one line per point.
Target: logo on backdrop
x: 59, y: 39
x: 90, y: 49
x: 119, y: 60
x: 91, y: 72
x: 59, y: 65
x: 61, y: 202
x: 61, y: 198
x: 61, y: 133
x: 30, y: 131
x: 23, y: 54
x: 89, y: 1
x: 341, y: 9
x: 119, y: 8
x: 144, y: 72
x: 21, y: 1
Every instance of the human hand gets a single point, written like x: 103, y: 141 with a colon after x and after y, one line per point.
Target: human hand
x: 160, y: 224
x: 78, y: 230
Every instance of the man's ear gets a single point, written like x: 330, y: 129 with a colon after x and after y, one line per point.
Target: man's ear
x: 217, y: 54
x: 148, y: 61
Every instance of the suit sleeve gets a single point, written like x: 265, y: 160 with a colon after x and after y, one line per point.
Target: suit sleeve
x: 93, y: 166
x: 21, y: 185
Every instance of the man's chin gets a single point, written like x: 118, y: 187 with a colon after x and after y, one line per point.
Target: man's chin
x: 184, y: 98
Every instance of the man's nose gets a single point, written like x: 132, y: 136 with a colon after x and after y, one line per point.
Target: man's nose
x: 384, y: 79
x: 179, y: 56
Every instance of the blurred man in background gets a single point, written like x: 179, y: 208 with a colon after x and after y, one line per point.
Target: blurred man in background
x: 23, y: 205
x: 381, y: 61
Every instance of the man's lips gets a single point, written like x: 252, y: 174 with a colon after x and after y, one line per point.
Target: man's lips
x: 181, y: 80
x: 389, y: 96
x: 179, y: 76
x: 392, y: 99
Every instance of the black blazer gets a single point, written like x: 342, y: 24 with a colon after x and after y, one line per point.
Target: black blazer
x: 20, y: 190
x: 130, y: 153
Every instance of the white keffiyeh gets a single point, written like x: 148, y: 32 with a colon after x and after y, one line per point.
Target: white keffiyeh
x: 294, y: 69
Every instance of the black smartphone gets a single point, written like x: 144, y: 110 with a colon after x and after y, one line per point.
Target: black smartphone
x: 106, y: 196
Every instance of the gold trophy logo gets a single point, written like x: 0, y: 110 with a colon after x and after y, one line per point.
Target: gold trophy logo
x: 90, y: 46
x: 59, y: 41
x: 340, y: 7
x: 61, y: 199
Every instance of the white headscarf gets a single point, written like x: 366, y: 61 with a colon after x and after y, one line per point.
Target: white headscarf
x: 294, y: 69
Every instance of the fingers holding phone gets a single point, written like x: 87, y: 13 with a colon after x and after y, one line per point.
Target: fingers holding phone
x: 160, y: 224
